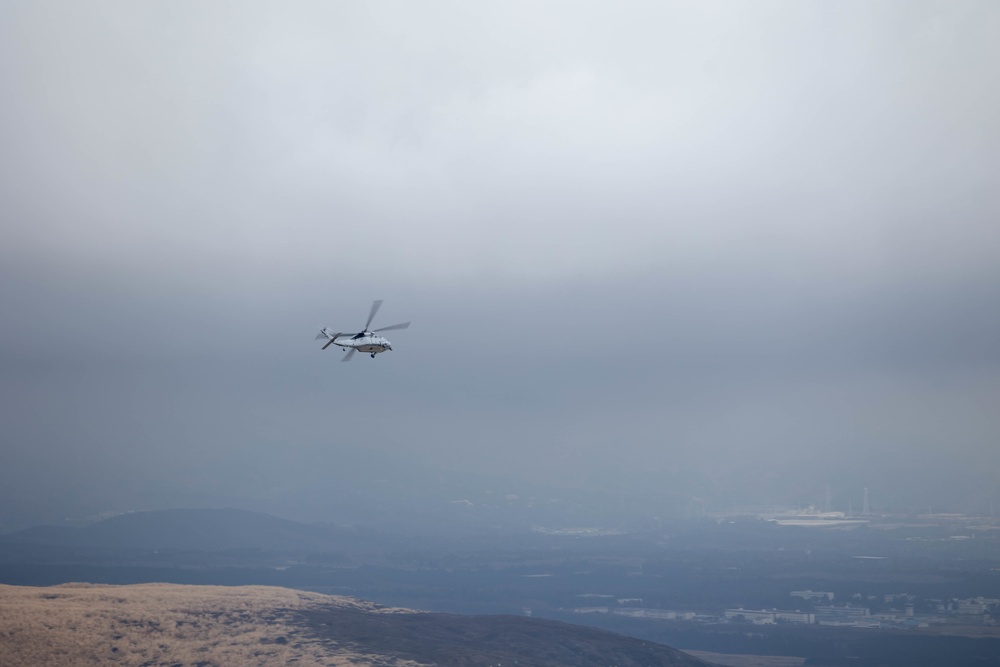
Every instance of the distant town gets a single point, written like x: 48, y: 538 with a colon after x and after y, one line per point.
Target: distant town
x: 862, y: 609
x: 894, y: 611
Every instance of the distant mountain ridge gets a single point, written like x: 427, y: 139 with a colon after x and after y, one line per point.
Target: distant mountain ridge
x: 193, y: 529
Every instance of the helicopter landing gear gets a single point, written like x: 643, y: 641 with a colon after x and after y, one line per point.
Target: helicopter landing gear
x: 373, y: 355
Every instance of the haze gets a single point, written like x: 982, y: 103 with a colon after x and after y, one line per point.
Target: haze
x: 743, y: 252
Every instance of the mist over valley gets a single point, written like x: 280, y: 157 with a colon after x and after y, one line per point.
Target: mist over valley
x: 703, y: 301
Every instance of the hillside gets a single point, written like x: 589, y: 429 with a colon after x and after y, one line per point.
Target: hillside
x: 192, y: 529
x: 206, y: 626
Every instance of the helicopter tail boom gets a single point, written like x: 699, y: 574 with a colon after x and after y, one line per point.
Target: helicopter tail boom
x: 325, y: 333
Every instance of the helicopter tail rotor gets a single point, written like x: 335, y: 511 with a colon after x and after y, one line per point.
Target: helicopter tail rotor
x: 325, y: 333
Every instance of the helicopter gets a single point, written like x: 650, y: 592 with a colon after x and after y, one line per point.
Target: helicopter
x: 365, y: 340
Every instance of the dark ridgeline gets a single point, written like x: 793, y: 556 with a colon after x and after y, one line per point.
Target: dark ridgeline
x: 191, y: 529
x: 484, y: 641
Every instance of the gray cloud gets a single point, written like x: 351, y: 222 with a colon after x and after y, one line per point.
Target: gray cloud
x: 753, y: 242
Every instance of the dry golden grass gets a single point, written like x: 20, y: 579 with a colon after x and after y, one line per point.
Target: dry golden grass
x: 167, y: 625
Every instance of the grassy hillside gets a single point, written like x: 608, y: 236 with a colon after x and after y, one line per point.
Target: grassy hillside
x: 160, y: 624
x: 207, y: 626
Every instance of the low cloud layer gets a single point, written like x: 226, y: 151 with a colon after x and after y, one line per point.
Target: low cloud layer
x: 748, y: 244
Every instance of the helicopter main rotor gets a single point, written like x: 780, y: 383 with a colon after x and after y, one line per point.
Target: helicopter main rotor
x: 371, y: 316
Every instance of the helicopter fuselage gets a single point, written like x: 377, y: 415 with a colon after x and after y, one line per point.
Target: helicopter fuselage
x: 370, y: 343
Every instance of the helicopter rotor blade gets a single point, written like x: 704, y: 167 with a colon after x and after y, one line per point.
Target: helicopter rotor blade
x: 375, y: 306
x: 404, y: 325
x: 350, y: 353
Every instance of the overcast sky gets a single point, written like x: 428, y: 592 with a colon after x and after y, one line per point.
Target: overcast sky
x: 755, y: 243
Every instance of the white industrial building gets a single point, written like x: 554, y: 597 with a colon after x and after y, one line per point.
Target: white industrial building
x: 769, y: 616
